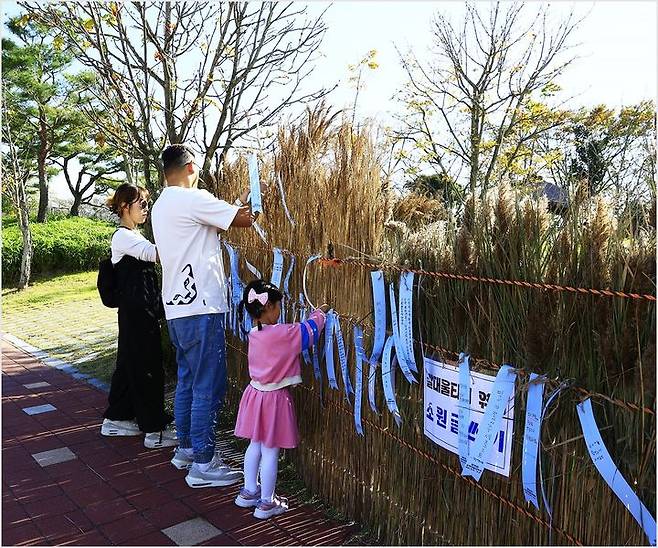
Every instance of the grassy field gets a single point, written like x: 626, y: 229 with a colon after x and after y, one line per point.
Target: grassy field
x: 64, y: 317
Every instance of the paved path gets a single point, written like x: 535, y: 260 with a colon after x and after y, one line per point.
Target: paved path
x: 63, y: 483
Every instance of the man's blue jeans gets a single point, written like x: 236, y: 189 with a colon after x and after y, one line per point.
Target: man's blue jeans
x: 201, y: 357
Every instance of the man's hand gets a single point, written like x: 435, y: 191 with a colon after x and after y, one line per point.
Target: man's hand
x: 244, y: 218
x: 244, y: 196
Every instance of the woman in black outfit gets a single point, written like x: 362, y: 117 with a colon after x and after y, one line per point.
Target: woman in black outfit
x: 136, y: 400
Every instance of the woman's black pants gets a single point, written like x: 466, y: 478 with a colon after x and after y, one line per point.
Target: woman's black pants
x: 137, y: 389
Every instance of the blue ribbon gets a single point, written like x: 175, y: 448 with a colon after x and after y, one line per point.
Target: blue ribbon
x: 237, y: 288
x: 329, y: 348
x: 342, y: 357
x: 501, y: 392
x: 260, y: 231
x: 251, y: 268
x: 286, y: 293
x: 379, y: 303
x: 372, y: 376
x: 286, y: 280
x: 531, y: 438
x: 247, y: 325
x: 406, y: 318
x: 316, y: 364
x: 388, y: 380
x: 399, y: 349
x: 612, y: 476
x: 302, y: 318
x: 283, y: 199
x: 547, y: 505
x: 277, y: 268
x: 254, y: 183
x: 464, y: 407
x: 360, y: 360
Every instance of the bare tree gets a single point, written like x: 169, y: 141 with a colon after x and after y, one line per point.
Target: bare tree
x: 470, y: 101
x: 206, y: 72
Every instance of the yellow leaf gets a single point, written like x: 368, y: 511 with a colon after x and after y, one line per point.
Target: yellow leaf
x: 58, y: 43
x: 89, y: 25
x: 373, y: 65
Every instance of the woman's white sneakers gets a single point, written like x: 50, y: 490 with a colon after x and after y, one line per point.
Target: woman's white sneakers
x: 120, y: 428
x: 152, y: 440
x: 164, y: 438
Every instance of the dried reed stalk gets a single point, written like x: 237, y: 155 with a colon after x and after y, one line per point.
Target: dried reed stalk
x: 336, y: 195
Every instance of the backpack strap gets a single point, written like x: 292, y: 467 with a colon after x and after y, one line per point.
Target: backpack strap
x: 113, y: 233
x: 118, y: 228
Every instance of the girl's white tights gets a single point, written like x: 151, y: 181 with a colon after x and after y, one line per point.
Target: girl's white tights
x: 267, y: 458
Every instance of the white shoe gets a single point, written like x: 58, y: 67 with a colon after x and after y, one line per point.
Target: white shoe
x: 247, y: 499
x: 265, y: 510
x: 183, y: 458
x: 120, y: 428
x: 213, y: 474
x: 164, y: 438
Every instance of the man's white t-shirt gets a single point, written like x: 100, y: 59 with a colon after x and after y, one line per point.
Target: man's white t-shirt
x: 185, y: 223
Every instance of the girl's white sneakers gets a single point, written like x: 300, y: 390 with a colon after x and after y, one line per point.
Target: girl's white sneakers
x: 265, y: 510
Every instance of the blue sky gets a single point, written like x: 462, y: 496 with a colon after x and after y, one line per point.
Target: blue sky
x: 617, y: 50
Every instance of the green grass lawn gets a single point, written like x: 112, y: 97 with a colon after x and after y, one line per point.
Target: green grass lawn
x: 64, y: 317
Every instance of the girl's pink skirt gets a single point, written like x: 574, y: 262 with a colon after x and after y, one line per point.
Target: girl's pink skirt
x: 268, y: 417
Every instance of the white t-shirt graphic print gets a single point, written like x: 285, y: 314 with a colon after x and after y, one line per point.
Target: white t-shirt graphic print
x: 185, y: 223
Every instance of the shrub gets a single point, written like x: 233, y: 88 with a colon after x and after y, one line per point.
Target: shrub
x: 61, y: 245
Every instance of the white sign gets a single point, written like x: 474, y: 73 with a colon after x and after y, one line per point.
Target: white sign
x: 441, y: 382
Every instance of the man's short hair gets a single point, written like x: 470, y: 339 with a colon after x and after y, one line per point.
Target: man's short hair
x: 176, y: 157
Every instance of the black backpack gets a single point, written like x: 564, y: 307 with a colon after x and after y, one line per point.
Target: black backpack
x: 107, y: 283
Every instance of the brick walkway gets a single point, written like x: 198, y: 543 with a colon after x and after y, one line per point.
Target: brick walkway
x: 63, y: 483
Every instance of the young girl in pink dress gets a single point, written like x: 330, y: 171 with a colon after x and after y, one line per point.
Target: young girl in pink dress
x: 266, y: 414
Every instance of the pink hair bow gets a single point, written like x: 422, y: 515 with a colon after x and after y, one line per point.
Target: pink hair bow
x: 260, y: 297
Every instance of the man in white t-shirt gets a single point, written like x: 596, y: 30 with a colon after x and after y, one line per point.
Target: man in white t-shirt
x: 186, y: 222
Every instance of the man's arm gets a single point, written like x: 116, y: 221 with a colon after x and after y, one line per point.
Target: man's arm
x: 209, y: 210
